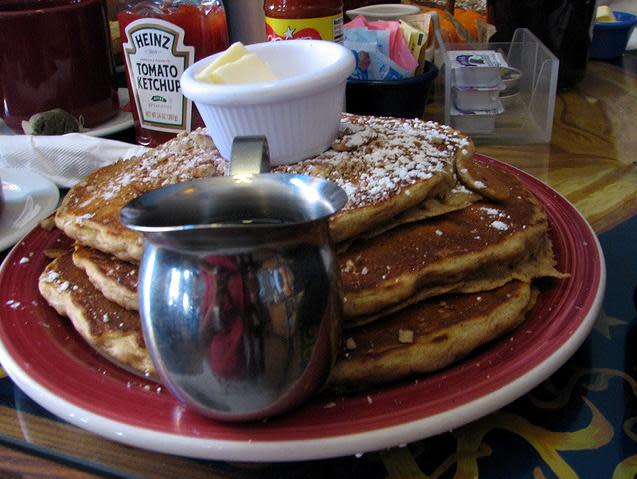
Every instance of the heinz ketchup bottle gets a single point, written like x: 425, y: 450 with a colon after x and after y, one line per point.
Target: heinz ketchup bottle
x: 303, y: 19
x: 160, y: 39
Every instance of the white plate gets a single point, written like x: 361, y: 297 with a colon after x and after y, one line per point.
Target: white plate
x: 28, y: 198
x: 119, y: 122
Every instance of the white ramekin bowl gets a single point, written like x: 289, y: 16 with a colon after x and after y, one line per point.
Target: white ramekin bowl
x: 299, y: 113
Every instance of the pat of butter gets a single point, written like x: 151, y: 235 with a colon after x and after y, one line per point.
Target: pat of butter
x: 233, y: 53
x: 247, y: 69
x: 236, y: 65
x: 605, y: 14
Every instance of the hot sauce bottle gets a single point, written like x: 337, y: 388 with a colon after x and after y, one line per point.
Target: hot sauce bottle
x: 304, y: 19
x: 160, y: 39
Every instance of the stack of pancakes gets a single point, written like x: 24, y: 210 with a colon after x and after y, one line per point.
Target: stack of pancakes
x: 438, y: 252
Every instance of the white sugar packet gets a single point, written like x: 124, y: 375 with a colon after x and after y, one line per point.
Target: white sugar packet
x: 64, y: 159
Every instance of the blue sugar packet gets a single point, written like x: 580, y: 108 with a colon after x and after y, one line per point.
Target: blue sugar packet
x: 371, y: 50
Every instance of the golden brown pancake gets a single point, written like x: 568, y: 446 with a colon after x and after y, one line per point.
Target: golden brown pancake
x: 112, y: 330
x: 482, y: 178
x: 532, y: 265
x: 114, y: 278
x: 388, y: 269
x: 386, y: 167
x: 413, y: 230
x: 429, y: 335
x: 117, y: 279
x: 467, y: 252
x: 425, y: 337
x: 90, y: 210
x: 456, y: 199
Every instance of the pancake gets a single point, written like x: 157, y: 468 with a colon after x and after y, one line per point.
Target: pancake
x: 388, y: 269
x: 117, y: 279
x: 422, y: 220
x: 112, y: 330
x: 428, y: 336
x: 386, y: 166
x: 533, y: 265
x: 425, y: 337
x: 479, y: 247
x: 89, y: 213
x: 114, y: 278
x: 482, y: 178
x: 456, y: 199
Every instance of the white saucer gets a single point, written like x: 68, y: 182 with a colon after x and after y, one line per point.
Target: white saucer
x: 386, y: 11
x: 119, y: 122
x: 28, y: 199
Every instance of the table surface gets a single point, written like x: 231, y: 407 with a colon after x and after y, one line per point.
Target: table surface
x: 581, y: 422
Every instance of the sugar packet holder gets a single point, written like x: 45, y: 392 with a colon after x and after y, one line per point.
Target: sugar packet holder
x: 380, y: 49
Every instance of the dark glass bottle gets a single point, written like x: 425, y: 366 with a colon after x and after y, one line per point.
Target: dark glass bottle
x: 564, y: 26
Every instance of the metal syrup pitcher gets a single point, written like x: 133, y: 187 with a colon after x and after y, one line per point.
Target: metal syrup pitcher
x: 239, y: 288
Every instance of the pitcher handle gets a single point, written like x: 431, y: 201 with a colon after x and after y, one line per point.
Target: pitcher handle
x: 250, y: 155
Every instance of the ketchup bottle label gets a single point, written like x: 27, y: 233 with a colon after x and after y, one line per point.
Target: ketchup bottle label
x: 155, y: 59
x: 323, y: 28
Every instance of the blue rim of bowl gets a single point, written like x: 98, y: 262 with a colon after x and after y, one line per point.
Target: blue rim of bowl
x: 628, y: 20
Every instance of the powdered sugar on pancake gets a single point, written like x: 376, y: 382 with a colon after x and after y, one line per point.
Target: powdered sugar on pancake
x: 353, y: 136
x: 185, y: 158
x: 90, y: 211
x: 385, y: 166
x: 374, y: 159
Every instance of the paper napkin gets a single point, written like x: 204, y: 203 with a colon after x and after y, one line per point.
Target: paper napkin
x: 64, y: 159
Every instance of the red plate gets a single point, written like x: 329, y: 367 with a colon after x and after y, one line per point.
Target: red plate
x: 49, y: 361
